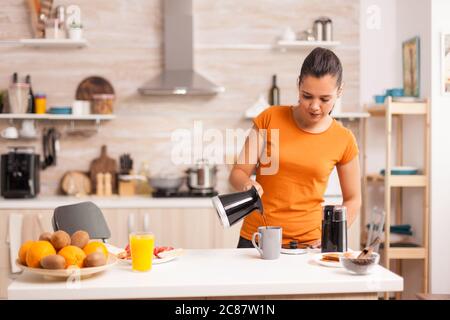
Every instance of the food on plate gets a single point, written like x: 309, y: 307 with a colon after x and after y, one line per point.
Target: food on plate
x: 60, y: 239
x: 156, y: 251
x: 53, y: 261
x: 73, y: 255
x: 95, y: 246
x: 95, y: 259
x: 333, y: 257
x: 38, y: 251
x: 46, y: 236
x: 80, y: 239
x: 23, y: 251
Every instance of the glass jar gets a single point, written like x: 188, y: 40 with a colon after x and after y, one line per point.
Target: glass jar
x: 102, y: 103
x: 40, y: 101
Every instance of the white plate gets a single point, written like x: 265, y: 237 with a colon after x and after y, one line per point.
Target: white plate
x: 66, y: 273
x: 166, y: 256
x: 333, y: 264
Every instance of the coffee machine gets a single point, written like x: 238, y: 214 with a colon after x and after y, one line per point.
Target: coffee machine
x: 20, y: 173
x: 334, y: 229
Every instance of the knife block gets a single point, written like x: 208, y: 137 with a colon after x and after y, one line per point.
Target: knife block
x: 127, y: 188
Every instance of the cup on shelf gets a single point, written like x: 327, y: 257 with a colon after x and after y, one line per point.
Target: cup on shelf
x: 288, y: 34
x: 10, y: 133
x: 28, y: 129
x: 81, y: 107
x: 379, y: 99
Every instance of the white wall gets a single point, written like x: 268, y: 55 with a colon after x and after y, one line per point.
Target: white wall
x: 440, y: 153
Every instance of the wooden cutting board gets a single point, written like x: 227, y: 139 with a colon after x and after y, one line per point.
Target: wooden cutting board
x: 103, y: 164
x: 93, y: 85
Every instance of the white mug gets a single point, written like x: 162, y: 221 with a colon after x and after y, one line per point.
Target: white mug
x: 81, y: 107
x: 28, y: 129
x: 289, y: 34
x: 10, y: 133
x: 269, y: 242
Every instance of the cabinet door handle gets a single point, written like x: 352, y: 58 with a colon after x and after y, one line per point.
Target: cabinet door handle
x: 146, y: 222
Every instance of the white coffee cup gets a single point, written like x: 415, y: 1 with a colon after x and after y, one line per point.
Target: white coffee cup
x: 28, y: 129
x: 288, y: 34
x: 81, y: 107
x: 269, y: 242
x: 10, y: 133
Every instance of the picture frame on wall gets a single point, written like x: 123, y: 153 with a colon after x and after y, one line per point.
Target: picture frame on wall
x: 445, y: 64
x: 411, y: 67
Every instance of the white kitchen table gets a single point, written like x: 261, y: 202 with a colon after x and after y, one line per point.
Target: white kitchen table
x: 216, y: 274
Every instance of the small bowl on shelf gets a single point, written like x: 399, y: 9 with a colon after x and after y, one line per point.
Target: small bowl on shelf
x: 379, y: 99
x: 359, y: 266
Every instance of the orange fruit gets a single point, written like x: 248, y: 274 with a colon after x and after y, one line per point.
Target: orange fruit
x: 95, y: 246
x: 23, y: 251
x: 37, y: 251
x: 73, y: 255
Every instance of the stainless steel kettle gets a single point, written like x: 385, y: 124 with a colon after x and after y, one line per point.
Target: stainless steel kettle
x: 202, y: 176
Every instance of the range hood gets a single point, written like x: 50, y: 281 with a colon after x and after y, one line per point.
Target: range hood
x: 178, y: 76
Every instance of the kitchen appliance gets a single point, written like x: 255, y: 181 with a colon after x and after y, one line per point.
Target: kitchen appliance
x: 318, y: 29
x: 20, y: 173
x: 202, y: 177
x: 334, y: 229
x: 161, y: 193
x: 178, y: 76
x: 231, y: 208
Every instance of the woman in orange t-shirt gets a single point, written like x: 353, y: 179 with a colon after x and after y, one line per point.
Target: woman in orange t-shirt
x: 297, y: 149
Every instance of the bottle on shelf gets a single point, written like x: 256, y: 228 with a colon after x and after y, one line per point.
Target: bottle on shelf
x: 274, y: 93
x: 31, y: 102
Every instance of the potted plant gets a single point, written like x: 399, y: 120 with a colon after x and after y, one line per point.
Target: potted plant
x: 75, y: 30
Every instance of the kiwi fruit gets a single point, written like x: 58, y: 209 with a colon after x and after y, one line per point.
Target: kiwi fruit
x: 94, y: 259
x: 53, y: 262
x: 45, y: 236
x: 60, y: 239
x: 80, y: 239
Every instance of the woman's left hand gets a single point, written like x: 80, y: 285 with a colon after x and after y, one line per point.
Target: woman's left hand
x: 316, y: 244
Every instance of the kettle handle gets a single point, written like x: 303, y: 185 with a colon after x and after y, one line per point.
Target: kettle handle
x: 254, y: 242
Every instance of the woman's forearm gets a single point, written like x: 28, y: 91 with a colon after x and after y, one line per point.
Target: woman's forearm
x: 353, y: 207
x: 239, y: 179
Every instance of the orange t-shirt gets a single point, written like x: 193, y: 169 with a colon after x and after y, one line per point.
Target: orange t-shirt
x: 293, y: 196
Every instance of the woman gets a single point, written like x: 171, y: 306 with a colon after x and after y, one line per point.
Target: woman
x: 306, y: 143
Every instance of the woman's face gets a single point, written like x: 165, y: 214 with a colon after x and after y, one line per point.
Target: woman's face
x: 317, y: 97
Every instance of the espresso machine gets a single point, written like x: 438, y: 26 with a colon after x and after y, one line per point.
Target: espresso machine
x: 334, y: 229
x: 20, y: 173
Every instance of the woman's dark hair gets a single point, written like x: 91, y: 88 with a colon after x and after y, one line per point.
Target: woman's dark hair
x: 321, y: 62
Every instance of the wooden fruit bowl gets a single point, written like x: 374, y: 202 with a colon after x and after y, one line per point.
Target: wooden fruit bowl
x: 71, y: 272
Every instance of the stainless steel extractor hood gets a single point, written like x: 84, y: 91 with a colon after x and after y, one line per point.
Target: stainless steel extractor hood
x: 178, y: 76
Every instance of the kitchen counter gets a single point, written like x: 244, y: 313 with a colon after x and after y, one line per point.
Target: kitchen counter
x: 117, y: 202
x: 223, y: 273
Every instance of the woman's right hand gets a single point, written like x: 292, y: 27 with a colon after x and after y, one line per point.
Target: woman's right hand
x: 255, y: 184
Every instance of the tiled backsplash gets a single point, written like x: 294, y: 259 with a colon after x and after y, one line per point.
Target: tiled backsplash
x: 125, y: 48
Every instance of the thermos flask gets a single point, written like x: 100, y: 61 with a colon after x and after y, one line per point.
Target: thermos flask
x: 334, y: 229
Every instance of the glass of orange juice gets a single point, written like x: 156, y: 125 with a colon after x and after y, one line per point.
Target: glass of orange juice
x: 141, y: 246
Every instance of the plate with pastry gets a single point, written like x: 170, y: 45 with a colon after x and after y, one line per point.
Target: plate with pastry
x: 329, y: 259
